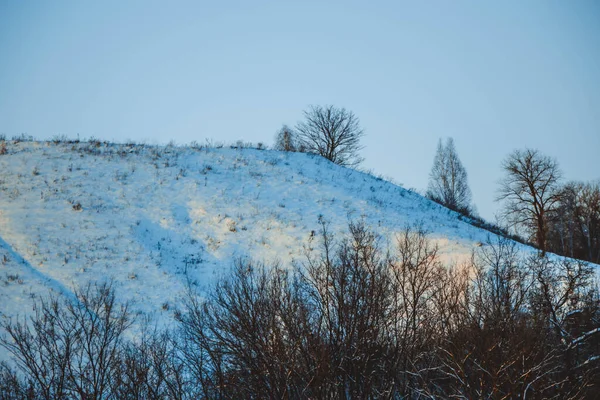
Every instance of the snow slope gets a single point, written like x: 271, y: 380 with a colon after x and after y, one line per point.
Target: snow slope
x: 153, y: 218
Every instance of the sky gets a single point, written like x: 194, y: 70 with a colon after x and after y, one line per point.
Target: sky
x: 495, y: 76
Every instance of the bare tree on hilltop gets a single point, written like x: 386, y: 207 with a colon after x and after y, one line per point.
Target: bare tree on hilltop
x: 448, y: 179
x: 285, y: 140
x: 333, y: 133
x: 530, y: 191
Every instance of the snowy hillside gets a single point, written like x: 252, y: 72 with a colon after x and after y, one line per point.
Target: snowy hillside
x: 153, y: 218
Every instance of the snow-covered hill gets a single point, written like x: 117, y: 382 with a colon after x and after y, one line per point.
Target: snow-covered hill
x: 153, y: 218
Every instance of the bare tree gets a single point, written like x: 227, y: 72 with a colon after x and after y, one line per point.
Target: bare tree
x: 347, y: 286
x: 416, y: 276
x: 530, y: 191
x: 43, y: 348
x: 586, y: 212
x: 11, y: 386
x: 562, y: 230
x: 588, y: 218
x: 448, y: 179
x: 333, y: 133
x: 70, y: 348
x: 150, y: 368
x: 285, y: 140
x: 575, y: 230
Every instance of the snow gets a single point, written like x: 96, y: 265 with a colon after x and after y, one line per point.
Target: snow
x: 154, y: 218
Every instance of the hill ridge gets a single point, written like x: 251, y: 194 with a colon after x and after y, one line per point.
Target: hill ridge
x: 156, y: 217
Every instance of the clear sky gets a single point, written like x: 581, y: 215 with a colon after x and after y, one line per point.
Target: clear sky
x: 495, y: 76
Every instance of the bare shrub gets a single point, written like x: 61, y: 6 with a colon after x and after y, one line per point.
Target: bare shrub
x: 12, y: 387
x: 353, y: 321
x: 512, y: 340
x: 70, y: 348
x: 150, y: 368
x: 331, y: 132
x: 338, y: 327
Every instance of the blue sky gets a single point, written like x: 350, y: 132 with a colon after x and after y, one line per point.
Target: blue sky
x: 495, y: 76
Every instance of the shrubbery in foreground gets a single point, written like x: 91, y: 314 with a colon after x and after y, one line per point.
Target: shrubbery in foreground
x: 353, y: 321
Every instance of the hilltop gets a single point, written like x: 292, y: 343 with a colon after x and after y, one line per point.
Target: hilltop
x: 156, y: 218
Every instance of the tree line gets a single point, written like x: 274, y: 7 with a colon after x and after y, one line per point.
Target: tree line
x: 563, y: 218
x: 354, y: 320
